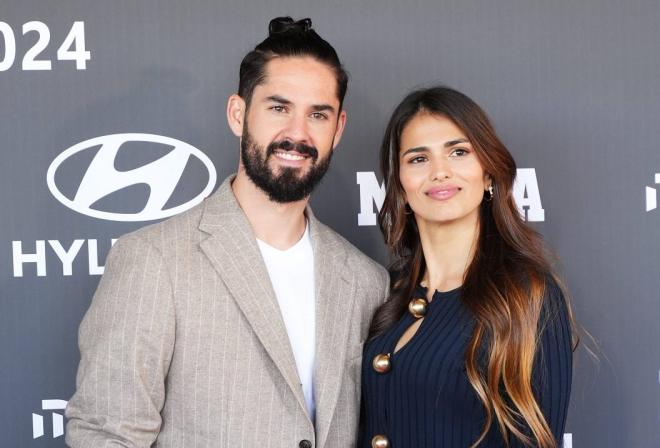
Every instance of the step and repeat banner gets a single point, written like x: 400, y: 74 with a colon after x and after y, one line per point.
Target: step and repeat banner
x: 112, y: 117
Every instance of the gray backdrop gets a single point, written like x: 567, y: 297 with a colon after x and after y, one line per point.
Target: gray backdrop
x: 573, y: 88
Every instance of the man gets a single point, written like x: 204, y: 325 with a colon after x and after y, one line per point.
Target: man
x: 241, y: 321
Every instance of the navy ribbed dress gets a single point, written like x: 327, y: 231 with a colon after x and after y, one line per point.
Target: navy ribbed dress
x: 425, y: 400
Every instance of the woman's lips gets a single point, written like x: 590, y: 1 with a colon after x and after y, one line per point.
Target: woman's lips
x: 443, y: 193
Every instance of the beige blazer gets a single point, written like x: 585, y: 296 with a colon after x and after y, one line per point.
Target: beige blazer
x: 184, y: 344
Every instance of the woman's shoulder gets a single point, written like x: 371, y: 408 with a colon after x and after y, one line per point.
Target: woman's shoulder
x: 554, y: 295
x: 555, y: 315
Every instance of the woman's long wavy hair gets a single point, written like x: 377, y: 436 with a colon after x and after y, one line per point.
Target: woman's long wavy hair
x: 504, y: 284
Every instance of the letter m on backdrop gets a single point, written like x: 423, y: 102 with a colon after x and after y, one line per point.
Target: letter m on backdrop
x: 371, y: 193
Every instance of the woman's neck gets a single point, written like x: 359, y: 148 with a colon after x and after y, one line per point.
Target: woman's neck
x: 448, y: 250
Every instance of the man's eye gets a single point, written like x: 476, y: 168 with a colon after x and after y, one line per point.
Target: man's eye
x: 319, y: 116
x: 278, y: 108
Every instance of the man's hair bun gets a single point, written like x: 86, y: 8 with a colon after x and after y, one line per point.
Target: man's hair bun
x: 286, y: 25
x: 288, y: 38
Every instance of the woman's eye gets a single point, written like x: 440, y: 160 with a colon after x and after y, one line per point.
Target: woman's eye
x: 459, y: 152
x: 417, y: 159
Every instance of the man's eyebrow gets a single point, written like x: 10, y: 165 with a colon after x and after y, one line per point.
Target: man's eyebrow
x: 316, y: 107
x: 278, y: 99
x: 323, y: 108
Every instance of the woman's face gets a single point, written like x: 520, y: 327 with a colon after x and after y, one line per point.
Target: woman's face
x: 439, y: 171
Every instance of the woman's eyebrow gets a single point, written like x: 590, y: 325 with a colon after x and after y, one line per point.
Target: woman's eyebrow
x: 456, y: 142
x: 416, y: 149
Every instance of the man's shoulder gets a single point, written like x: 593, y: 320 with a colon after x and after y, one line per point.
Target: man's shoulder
x: 181, y: 229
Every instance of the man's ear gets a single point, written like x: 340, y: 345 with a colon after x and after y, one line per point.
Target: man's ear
x: 341, y: 124
x: 236, y: 114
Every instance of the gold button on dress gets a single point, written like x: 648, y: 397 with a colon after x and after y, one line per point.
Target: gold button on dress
x: 417, y: 307
x: 382, y: 363
x: 380, y: 441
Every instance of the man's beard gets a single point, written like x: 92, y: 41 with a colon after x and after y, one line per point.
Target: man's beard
x: 287, y: 186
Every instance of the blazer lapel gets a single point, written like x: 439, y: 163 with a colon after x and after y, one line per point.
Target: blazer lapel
x: 335, y: 297
x: 234, y: 253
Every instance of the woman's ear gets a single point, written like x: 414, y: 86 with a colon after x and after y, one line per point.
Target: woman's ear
x: 488, y: 180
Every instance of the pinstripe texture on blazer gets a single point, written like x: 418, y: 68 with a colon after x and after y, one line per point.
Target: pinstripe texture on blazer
x: 184, y: 344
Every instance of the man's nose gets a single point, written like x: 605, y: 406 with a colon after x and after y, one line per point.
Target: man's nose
x: 297, y: 129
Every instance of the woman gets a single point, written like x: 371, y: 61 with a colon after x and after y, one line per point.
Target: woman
x: 474, y: 346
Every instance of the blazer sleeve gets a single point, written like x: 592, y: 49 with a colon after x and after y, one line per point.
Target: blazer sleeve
x: 553, y: 364
x: 126, y: 341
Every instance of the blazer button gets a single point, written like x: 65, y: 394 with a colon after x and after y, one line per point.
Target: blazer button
x: 380, y: 441
x: 381, y: 363
x: 305, y: 444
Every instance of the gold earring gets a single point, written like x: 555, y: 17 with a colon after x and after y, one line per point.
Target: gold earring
x: 491, y: 193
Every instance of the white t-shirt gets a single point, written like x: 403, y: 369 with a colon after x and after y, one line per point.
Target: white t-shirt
x: 291, y: 273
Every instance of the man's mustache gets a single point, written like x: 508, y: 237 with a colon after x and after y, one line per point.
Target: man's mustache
x: 288, y: 145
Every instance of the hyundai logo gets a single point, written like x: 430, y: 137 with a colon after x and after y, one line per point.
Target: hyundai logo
x: 102, y: 178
